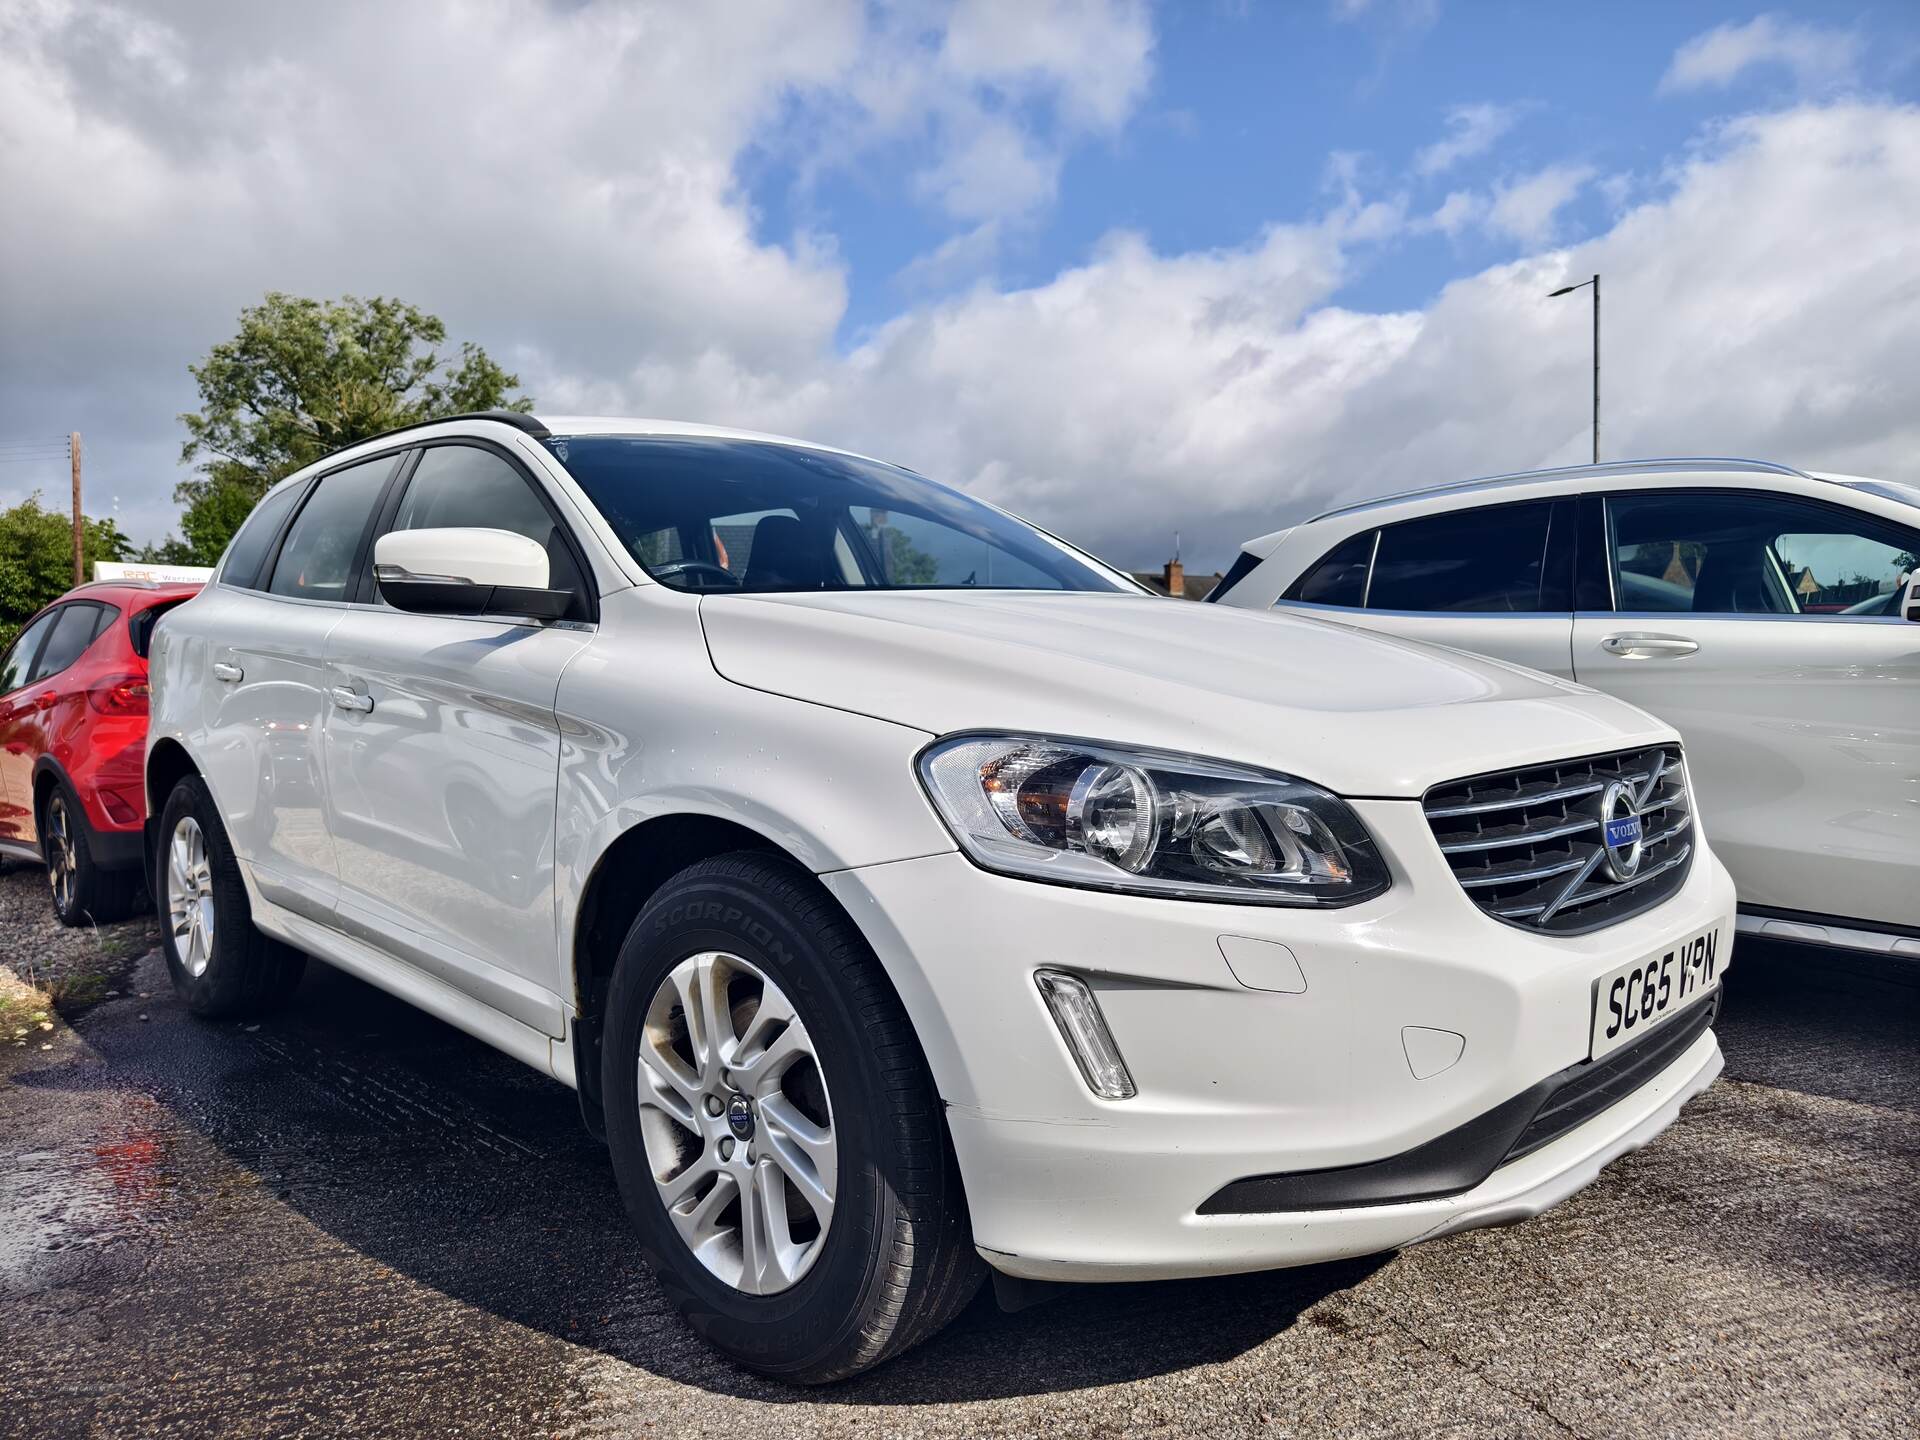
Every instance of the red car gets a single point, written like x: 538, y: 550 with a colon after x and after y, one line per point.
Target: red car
x: 73, y: 737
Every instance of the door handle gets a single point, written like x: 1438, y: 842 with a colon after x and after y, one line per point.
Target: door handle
x: 229, y: 673
x: 1649, y: 647
x: 348, y: 699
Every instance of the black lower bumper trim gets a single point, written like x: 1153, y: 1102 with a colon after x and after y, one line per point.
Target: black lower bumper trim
x: 116, y: 849
x: 1465, y: 1156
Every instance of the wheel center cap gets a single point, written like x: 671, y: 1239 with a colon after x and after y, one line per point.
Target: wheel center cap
x: 740, y: 1117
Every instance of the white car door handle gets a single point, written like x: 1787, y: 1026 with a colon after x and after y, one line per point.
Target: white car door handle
x: 1648, y: 647
x: 348, y: 699
x: 232, y: 674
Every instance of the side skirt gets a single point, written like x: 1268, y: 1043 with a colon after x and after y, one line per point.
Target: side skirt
x: 523, y: 1042
x: 1899, y: 941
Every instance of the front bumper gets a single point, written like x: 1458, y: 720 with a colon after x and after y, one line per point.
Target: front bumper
x: 1236, y: 1082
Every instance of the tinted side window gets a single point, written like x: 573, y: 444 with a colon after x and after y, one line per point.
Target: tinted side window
x: 1467, y: 560
x: 74, y: 627
x: 1735, y: 553
x: 317, y: 560
x: 463, y: 486
x: 1341, y: 576
x: 140, y: 627
x: 18, y: 662
x: 249, y: 548
x: 1243, y: 566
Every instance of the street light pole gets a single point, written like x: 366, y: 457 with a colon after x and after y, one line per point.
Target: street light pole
x: 1568, y: 290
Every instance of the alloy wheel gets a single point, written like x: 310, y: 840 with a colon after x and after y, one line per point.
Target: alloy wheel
x: 190, y: 896
x: 737, y: 1123
x: 62, y: 865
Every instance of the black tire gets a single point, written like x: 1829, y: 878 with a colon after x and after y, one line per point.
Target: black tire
x: 246, y: 972
x: 84, y: 893
x: 898, y: 1261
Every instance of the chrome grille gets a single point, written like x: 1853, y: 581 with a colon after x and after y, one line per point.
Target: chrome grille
x: 1526, y: 844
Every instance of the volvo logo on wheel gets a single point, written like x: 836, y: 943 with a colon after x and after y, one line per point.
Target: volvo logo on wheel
x: 740, y: 1117
x: 1621, y: 836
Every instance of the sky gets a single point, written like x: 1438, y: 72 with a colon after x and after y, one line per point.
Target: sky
x: 1130, y: 269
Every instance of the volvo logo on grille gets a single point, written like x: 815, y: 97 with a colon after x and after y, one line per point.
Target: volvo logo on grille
x: 740, y: 1117
x: 1621, y: 836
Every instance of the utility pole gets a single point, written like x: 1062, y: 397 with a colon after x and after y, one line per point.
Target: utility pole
x: 1568, y: 290
x: 79, y: 552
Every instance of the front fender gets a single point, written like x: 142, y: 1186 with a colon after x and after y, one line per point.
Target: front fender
x: 830, y: 788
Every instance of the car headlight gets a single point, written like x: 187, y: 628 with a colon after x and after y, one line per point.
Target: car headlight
x: 1149, y: 822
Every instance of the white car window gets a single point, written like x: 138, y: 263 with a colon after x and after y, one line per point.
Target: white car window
x: 1482, y: 561
x: 316, y: 559
x: 1733, y: 553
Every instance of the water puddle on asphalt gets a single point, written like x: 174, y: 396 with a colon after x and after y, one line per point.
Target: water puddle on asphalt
x: 95, y: 1192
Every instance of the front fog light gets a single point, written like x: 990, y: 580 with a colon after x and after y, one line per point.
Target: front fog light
x: 1084, y: 1029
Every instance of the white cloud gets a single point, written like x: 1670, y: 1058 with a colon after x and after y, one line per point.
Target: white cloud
x: 1816, y: 55
x: 1456, y: 213
x: 556, y: 182
x: 1411, y: 14
x: 1528, y: 209
x: 1471, y: 130
x: 1095, y: 54
x: 1005, y: 90
x: 1223, y: 393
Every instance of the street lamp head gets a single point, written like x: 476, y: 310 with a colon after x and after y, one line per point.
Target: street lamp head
x: 1564, y: 290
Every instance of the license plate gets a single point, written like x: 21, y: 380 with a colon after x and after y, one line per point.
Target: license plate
x: 1630, y: 1001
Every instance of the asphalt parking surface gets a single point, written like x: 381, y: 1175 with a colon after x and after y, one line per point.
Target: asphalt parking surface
x: 351, y: 1219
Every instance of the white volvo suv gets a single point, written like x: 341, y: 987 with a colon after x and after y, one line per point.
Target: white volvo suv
x: 903, y: 890
x: 1767, y: 612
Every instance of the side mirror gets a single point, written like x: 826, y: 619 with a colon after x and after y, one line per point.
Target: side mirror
x: 466, y: 572
x: 1910, y: 602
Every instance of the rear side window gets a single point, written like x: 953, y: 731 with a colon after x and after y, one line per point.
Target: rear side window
x: 249, y: 548
x: 316, y: 562
x: 74, y: 627
x: 1341, y: 576
x: 1243, y: 566
x: 1482, y: 561
x: 140, y: 627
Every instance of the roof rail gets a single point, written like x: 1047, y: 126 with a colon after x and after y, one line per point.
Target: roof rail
x: 1709, y: 464
x: 518, y: 419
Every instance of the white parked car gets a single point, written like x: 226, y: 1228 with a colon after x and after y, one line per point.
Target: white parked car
x: 904, y: 890
x: 1764, y: 611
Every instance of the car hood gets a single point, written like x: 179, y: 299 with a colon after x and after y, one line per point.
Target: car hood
x: 1360, y: 713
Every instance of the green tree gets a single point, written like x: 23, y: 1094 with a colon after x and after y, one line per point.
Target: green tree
x: 36, y: 558
x: 301, y: 379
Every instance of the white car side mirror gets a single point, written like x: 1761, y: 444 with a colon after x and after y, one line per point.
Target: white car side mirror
x: 466, y: 572
x: 1910, y: 602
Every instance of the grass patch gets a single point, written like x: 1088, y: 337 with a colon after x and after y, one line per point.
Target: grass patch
x: 25, y: 1013
x: 89, y: 987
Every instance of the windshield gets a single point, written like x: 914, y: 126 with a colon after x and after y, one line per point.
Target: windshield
x: 711, y: 514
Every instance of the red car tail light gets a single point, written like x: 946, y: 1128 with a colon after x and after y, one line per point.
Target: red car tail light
x: 120, y: 695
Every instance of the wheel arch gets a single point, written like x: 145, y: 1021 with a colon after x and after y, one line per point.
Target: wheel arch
x: 47, y: 773
x: 627, y: 874
x: 167, y: 763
